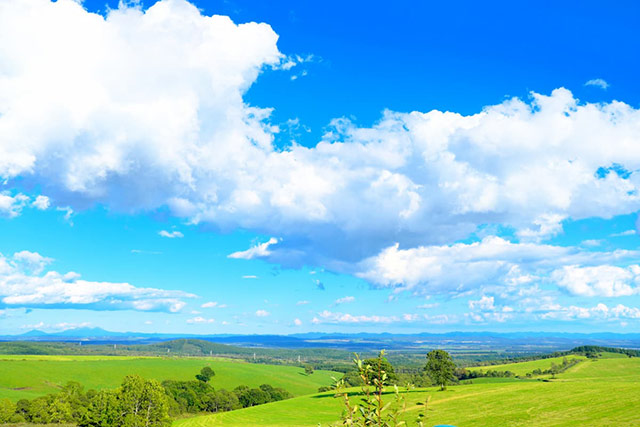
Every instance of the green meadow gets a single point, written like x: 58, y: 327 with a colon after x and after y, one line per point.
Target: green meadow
x: 603, y: 392
x: 33, y: 376
x: 523, y: 368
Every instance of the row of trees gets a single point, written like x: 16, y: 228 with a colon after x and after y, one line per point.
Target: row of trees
x: 137, y: 402
x: 439, y: 370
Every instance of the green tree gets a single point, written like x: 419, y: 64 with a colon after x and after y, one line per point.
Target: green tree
x: 308, y: 369
x: 142, y: 403
x: 104, y: 409
x: 440, y: 367
x: 7, y: 411
x: 380, y: 366
x: 205, y: 374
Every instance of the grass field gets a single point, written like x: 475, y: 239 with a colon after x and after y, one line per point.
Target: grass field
x: 603, y: 392
x: 523, y: 368
x: 32, y: 376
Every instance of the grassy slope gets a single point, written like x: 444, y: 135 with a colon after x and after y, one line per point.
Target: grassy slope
x: 606, y: 390
x: 32, y: 376
x: 523, y: 368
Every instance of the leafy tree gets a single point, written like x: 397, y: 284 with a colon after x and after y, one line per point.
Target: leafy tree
x: 7, y: 411
x: 379, y: 366
x: 103, y: 410
x: 142, y: 403
x: 308, y: 369
x: 205, y: 374
x: 440, y: 367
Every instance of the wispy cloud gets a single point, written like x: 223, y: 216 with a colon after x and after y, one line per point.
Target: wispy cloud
x: 260, y: 250
x: 199, y: 319
x: 601, y: 83
x: 171, y: 234
x: 345, y: 300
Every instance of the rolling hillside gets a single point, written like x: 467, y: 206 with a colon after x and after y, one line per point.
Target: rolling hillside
x: 32, y: 376
x: 607, y: 390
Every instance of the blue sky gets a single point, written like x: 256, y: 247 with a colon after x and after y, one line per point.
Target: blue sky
x: 330, y: 167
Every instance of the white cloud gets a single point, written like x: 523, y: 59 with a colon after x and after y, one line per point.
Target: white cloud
x: 171, y: 129
x: 466, y: 266
x: 305, y: 302
x: 57, y: 327
x: 601, y: 83
x: 213, y: 304
x: 262, y: 313
x: 428, y: 305
x: 171, y: 234
x: 484, y: 303
x: 200, y: 319
x: 345, y: 300
x: 599, y: 312
x: 11, y: 206
x: 297, y: 322
x: 41, y: 203
x: 331, y: 317
x: 31, y: 261
x: 602, y: 280
x: 260, y: 250
x: 23, y: 283
x: 249, y: 276
x: 625, y: 233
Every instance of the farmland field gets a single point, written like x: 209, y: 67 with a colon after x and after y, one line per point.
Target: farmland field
x: 32, y: 376
x: 606, y: 390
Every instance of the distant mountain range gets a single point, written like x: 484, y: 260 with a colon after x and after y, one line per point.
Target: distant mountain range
x: 509, y: 341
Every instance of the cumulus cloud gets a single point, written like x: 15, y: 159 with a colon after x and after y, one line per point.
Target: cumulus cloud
x: 297, y: 322
x: 601, y: 83
x: 144, y: 109
x: 24, y: 283
x: 602, y: 280
x: 599, y: 312
x: 262, y: 313
x: 466, y: 266
x: 484, y: 303
x: 11, y: 206
x: 171, y: 234
x: 41, y: 203
x: 260, y: 250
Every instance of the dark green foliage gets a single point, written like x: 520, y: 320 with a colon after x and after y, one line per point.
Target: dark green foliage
x: 190, y: 396
x: 593, y: 349
x: 308, y: 369
x: 440, y: 367
x: 379, y: 366
x: 352, y: 379
x: 205, y: 374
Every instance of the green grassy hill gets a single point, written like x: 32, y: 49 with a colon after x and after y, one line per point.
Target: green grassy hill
x: 32, y: 376
x: 522, y: 368
x: 604, y: 392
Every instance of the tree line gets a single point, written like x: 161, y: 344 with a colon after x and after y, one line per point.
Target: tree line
x: 137, y: 402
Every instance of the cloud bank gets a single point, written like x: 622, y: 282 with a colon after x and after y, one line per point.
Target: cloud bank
x: 144, y: 109
x: 25, y: 283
